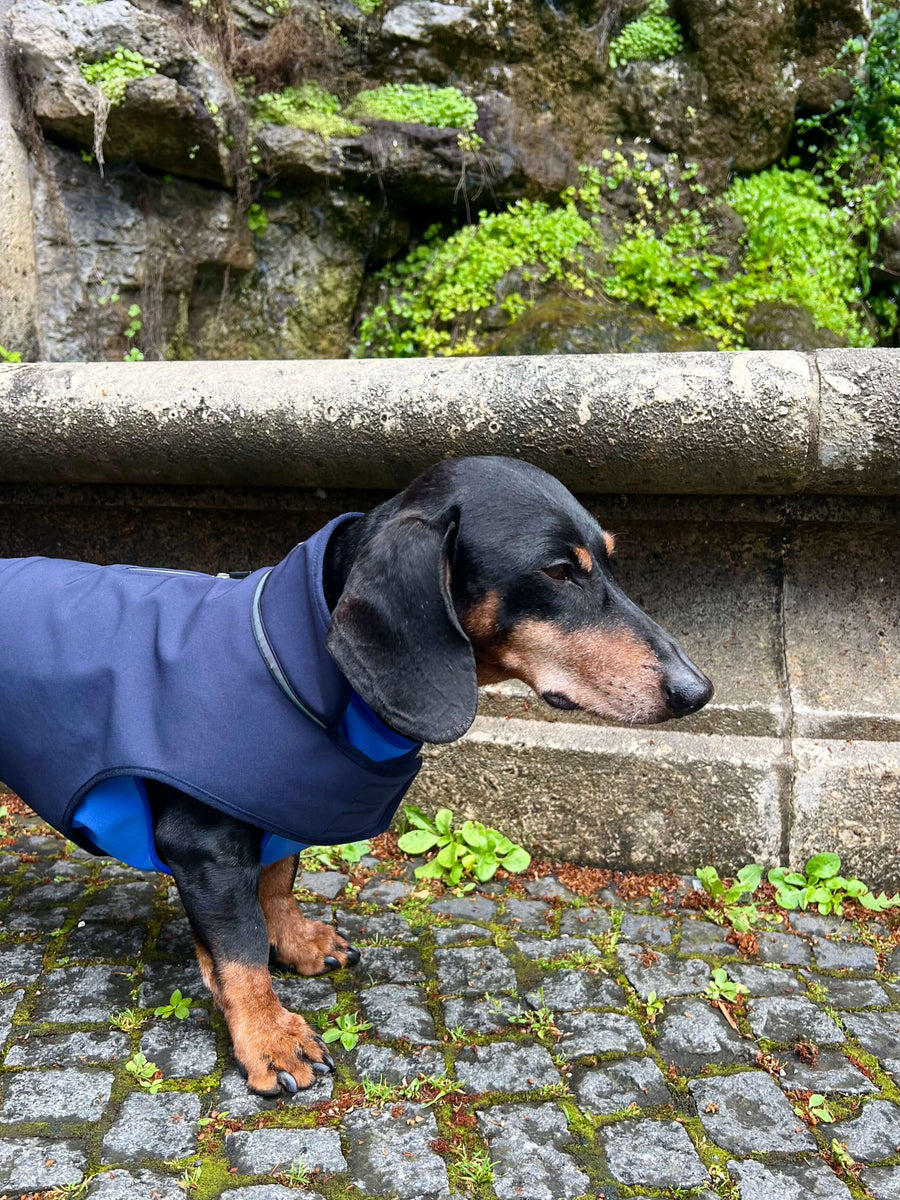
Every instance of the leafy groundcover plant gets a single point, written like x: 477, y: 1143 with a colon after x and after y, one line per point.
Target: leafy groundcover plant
x: 473, y: 849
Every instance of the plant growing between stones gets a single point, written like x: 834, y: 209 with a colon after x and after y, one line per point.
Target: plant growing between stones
x: 189, y: 1179
x: 308, y: 106
x: 113, y: 73
x: 653, y: 36
x: 538, y: 1021
x: 145, y: 1073
x: 741, y: 916
x: 318, y: 858
x: 9, y: 356
x: 179, y: 1006
x: 346, y: 1029
x: 822, y: 886
x: 297, y: 1175
x: 257, y: 220
x: 817, y: 1109
x: 653, y: 1007
x: 469, y: 1167
x: 720, y: 987
x: 473, y: 849
x: 416, y: 103
x: 127, y: 1020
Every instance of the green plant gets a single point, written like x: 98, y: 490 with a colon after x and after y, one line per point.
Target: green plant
x: 147, y: 1074
x: 538, y: 1021
x: 720, y: 987
x: 416, y: 103
x: 309, y: 107
x: 127, y: 1020
x: 9, y: 356
x: 297, y: 1175
x: 257, y: 220
x: 822, y: 886
x: 653, y: 1007
x: 316, y: 857
x: 473, y: 849
x: 742, y: 917
x: 469, y: 1166
x: 189, y: 1180
x: 347, y: 1029
x: 652, y: 37
x: 179, y: 1006
x: 112, y: 74
x: 367, y: 7
x: 842, y: 1155
x: 818, y: 1109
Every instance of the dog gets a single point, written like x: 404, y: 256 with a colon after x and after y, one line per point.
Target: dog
x: 212, y: 726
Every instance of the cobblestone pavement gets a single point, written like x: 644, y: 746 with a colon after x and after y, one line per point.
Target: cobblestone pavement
x: 528, y: 1010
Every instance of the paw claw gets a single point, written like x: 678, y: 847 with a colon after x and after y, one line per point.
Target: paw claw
x: 321, y: 1068
x: 353, y: 956
x: 331, y: 963
x: 288, y: 1082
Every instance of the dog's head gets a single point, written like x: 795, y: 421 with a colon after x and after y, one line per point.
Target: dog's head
x: 487, y: 569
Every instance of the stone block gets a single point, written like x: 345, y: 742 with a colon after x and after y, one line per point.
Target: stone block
x: 526, y: 1145
x: 398, y: 1011
x: 652, y: 972
x: 69, y: 1049
x: 845, y: 800
x: 873, y: 1134
x: 476, y: 969
x: 811, y: 1180
x: 832, y: 1072
x: 842, y: 631
x: 260, y: 1151
x: 656, y: 1154
x: 29, y: 1163
x: 615, y: 1086
x: 386, y: 1155
x: 858, y: 434
x: 83, y: 994
x: 571, y: 991
x: 381, y: 1063
x: 614, y: 809
x: 791, y: 1019
x: 166, y: 1123
x: 181, y: 1048
x: 598, y: 1033
x: 748, y: 1114
x: 137, y: 1185
x: 66, y: 1094
x: 505, y: 1068
x: 693, y: 1035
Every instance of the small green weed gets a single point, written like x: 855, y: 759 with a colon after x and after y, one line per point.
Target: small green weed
x: 189, y: 1179
x: 147, y: 1074
x: 179, y: 1006
x: 652, y: 37
x: 842, y: 1155
x: 822, y: 886
x: 113, y: 73
x: 127, y: 1020
x: 346, y: 1029
x: 257, y: 220
x: 742, y: 917
x: 308, y: 107
x: 297, y: 1175
x: 538, y: 1021
x: 818, y: 1109
x: 653, y: 1007
x: 473, y: 849
x: 318, y: 857
x: 469, y: 1167
x: 720, y: 987
x: 416, y: 103
x: 578, y: 960
x: 9, y: 356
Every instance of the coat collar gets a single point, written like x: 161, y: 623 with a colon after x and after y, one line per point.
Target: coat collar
x: 296, y: 619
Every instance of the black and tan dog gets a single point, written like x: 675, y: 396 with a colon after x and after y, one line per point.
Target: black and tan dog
x: 483, y: 569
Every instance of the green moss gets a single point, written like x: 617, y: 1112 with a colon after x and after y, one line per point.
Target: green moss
x: 9, y: 356
x: 112, y: 74
x: 652, y: 37
x: 446, y: 108
x: 307, y: 107
x: 444, y: 282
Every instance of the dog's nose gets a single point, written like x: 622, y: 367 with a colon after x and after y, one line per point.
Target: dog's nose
x: 686, y: 690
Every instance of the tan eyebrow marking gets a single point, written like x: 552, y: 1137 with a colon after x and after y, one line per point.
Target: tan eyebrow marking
x: 609, y: 541
x: 584, y: 558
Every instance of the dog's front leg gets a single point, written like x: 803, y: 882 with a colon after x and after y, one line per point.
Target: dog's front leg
x: 214, y: 860
x: 307, y: 947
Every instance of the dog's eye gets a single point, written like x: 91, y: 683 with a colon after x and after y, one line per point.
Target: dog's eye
x: 560, y: 571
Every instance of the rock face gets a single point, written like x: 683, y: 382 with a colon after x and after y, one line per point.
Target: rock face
x: 185, y: 158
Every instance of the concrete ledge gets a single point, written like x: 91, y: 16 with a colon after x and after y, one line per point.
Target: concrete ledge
x: 770, y: 423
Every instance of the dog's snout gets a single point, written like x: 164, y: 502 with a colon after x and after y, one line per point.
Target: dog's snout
x: 686, y: 690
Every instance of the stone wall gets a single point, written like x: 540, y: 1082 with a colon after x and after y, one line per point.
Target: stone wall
x: 786, y: 595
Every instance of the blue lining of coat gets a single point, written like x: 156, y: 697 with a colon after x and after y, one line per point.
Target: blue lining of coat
x: 115, y: 814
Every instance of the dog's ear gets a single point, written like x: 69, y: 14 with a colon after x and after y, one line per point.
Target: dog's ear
x: 396, y: 637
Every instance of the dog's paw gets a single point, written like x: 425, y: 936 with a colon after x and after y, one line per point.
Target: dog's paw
x: 286, y: 1056
x: 312, y: 948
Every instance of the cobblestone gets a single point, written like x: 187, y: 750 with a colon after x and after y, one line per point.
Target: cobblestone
x: 747, y: 1114
x: 603, y: 1118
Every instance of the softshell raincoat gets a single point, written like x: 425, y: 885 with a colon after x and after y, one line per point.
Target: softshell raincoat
x: 219, y: 686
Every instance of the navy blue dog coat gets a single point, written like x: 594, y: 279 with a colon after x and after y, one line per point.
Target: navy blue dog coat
x: 220, y: 687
